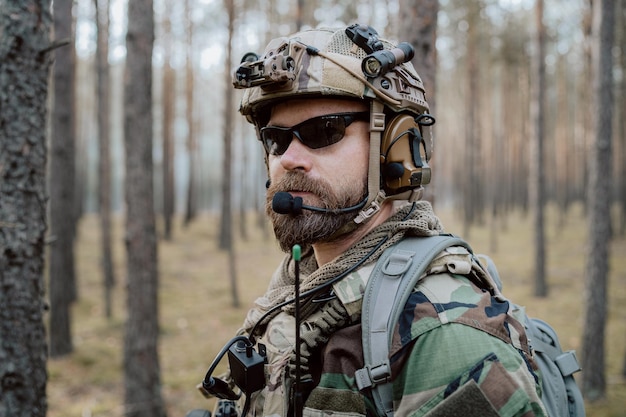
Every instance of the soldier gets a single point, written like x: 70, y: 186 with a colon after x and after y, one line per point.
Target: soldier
x: 344, y: 122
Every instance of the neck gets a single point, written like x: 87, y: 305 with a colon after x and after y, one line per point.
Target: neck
x: 327, y: 251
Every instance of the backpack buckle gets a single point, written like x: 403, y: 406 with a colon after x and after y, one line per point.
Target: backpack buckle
x: 370, y: 376
x: 397, y: 263
x: 567, y: 363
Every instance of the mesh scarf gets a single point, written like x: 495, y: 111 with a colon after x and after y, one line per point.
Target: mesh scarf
x: 417, y: 219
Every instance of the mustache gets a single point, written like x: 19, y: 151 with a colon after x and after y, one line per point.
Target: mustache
x: 298, y: 181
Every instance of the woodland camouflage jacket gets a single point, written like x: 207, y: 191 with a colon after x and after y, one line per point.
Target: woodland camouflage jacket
x: 457, y: 351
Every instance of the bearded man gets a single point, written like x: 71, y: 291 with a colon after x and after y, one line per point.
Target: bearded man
x: 344, y: 122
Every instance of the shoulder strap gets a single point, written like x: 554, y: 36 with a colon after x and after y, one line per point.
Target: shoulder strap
x: 391, y: 282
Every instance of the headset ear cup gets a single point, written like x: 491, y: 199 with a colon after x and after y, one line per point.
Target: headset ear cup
x: 404, y: 157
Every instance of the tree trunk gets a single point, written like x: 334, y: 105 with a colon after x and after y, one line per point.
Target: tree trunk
x: 244, y: 175
x: 562, y: 136
x: 600, y: 183
x: 225, y: 242
x: 587, y: 96
x: 141, y: 363
x: 169, y: 98
x: 472, y: 189
x: 299, y: 12
x: 496, y: 186
x: 226, y: 232
x: 104, y: 138
x: 191, y: 206
x: 169, y: 108
x: 62, y: 186
x: 621, y: 127
x: 536, y: 183
x: 418, y: 26
x: 24, y: 53
x: 226, y: 211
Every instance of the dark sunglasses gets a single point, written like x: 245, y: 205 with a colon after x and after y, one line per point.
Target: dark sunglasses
x: 315, y: 133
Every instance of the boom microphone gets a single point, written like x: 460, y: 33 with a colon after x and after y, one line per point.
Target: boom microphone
x: 285, y: 203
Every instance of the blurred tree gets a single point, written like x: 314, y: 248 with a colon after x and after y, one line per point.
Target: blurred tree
x: 226, y: 223
x: 586, y: 96
x: 516, y: 109
x: 620, y: 159
x: 244, y: 166
x: 61, y: 270
x: 104, y: 152
x: 563, y: 149
x: 600, y: 186
x: 191, y: 202
x: 472, y: 188
x: 418, y: 26
x: 537, y: 178
x: 299, y: 12
x: 168, y: 112
x: 141, y: 360
x: 225, y: 237
x: 24, y: 53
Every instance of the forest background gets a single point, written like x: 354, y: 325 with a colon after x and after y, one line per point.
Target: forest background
x: 486, y: 180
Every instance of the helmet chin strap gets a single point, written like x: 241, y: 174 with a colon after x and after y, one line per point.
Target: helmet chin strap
x: 376, y: 196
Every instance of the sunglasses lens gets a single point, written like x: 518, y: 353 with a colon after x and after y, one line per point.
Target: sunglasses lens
x: 315, y: 133
x: 323, y: 131
x: 276, y: 140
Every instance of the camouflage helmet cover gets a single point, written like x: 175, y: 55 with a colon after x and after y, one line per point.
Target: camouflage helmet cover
x: 326, y: 62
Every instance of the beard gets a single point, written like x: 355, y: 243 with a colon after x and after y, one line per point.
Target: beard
x: 311, y: 227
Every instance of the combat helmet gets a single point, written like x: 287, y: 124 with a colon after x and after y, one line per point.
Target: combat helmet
x: 352, y: 62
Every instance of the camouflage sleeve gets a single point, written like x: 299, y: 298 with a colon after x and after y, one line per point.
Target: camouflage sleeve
x: 454, y: 369
x: 452, y: 355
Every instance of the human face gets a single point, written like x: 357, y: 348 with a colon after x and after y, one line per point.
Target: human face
x: 330, y: 177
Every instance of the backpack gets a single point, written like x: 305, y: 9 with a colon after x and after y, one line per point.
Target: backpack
x: 390, y: 284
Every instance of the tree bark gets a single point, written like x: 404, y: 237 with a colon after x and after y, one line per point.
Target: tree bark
x: 226, y: 212
x: 169, y: 109
x: 62, y: 186
x: 472, y: 190
x: 226, y: 229
x: 243, y: 174
x: 418, y: 26
x: 104, y: 139
x: 600, y: 184
x: 536, y: 190
x: 24, y: 56
x: 621, y: 127
x: 191, y: 206
x: 141, y: 361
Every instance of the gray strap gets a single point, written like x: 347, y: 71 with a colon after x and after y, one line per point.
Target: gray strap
x: 546, y: 340
x: 377, y: 370
x: 389, y: 286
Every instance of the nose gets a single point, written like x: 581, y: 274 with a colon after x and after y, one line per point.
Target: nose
x: 297, y: 156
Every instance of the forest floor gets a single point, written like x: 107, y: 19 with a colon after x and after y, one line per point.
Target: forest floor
x: 197, y: 316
